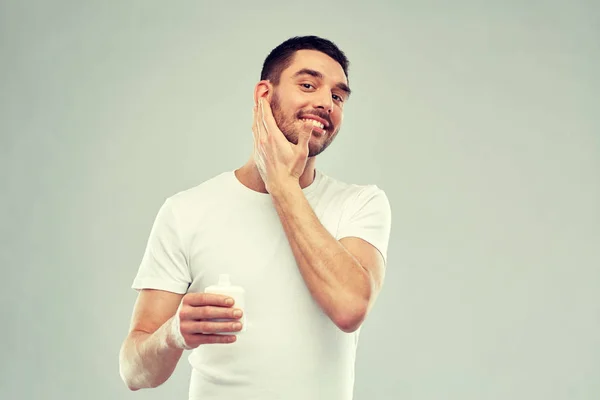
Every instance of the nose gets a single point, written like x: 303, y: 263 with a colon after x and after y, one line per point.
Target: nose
x: 324, y: 101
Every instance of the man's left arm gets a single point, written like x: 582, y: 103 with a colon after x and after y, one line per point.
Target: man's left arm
x: 344, y: 276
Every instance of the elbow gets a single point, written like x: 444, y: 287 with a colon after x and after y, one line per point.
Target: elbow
x: 350, y: 318
x: 124, y: 371
x: 128, y: 382
x: 133, y: 379
x: 127, y: 378
x: 352, y: 310
x: 132, y: 387
x: 349, y: 326
x: 135, y: 382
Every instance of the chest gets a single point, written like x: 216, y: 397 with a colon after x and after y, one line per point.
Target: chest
x: 248, y: 242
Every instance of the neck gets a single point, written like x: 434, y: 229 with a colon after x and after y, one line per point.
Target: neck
x: 249, y: 176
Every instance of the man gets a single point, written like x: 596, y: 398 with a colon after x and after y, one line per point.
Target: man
x: 309, y: 251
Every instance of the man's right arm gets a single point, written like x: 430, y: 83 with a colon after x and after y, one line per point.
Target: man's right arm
x: 161, y: 329
x: 150, y: 353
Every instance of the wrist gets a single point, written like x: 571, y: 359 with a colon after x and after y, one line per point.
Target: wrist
x: 282, y: 187
x: 170, y: 339
x: 174, y: 339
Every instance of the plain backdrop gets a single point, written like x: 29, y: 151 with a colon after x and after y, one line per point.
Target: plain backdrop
x: 480, y: 120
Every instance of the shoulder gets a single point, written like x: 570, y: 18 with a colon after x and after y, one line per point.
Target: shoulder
x: 352, y: 192
x: 209, y: 190
x: 186, y: 206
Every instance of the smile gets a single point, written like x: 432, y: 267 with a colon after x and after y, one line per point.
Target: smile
x: 314, y: 123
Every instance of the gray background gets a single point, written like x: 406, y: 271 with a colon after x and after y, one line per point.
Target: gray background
x: 479, y: 120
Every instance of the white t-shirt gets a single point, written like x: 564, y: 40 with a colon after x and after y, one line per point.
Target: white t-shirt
x: 290, y: 349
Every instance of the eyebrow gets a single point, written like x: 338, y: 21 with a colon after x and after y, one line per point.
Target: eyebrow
x: 306, y: 71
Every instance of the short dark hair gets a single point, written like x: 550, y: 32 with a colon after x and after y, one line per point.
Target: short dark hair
x: 281, y: 56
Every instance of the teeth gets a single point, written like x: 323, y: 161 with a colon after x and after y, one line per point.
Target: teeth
x: 315, y: 123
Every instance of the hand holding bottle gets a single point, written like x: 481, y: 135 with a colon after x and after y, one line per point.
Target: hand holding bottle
x: 194, y: 322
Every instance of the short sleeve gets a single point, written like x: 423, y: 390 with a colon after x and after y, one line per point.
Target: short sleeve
x: 368, y: 216
x: 164, y: 265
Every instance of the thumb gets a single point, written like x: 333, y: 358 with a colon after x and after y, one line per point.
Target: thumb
x: 175, y: 331
x: 304, y: 139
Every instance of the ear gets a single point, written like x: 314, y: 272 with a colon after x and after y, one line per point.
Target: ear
x: 263, y: 89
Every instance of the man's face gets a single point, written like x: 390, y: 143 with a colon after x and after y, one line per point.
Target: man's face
x: 313, y: 88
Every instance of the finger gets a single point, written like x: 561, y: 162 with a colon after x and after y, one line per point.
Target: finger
x: 304, y: 139
x: 254, y: 112
x: 210, y: 312
x: 207, y: 299
x: 264, y: 118
x: 255, y: 131
x: 198, y: 339
x: 260, y: 130
x: 259, y: 143
x: 209, y: 327
x: 260, y: 165
x: 259, y: 152
x: 274, y: 133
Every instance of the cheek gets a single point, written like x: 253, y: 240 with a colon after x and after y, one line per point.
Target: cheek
x: 337, y: 117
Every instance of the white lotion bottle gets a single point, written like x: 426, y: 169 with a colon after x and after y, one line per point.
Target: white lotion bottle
x: 225, y: 287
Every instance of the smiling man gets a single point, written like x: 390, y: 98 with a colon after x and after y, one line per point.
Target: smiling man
x: 309, y: 250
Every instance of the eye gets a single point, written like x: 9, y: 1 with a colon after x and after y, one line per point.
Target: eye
x: 307, y: 86
x: 337, y: 98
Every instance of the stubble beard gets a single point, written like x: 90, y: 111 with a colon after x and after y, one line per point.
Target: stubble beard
x: 289, y: 128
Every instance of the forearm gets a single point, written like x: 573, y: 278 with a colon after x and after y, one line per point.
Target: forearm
x: 335, y: 279
x: 147, y: 360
